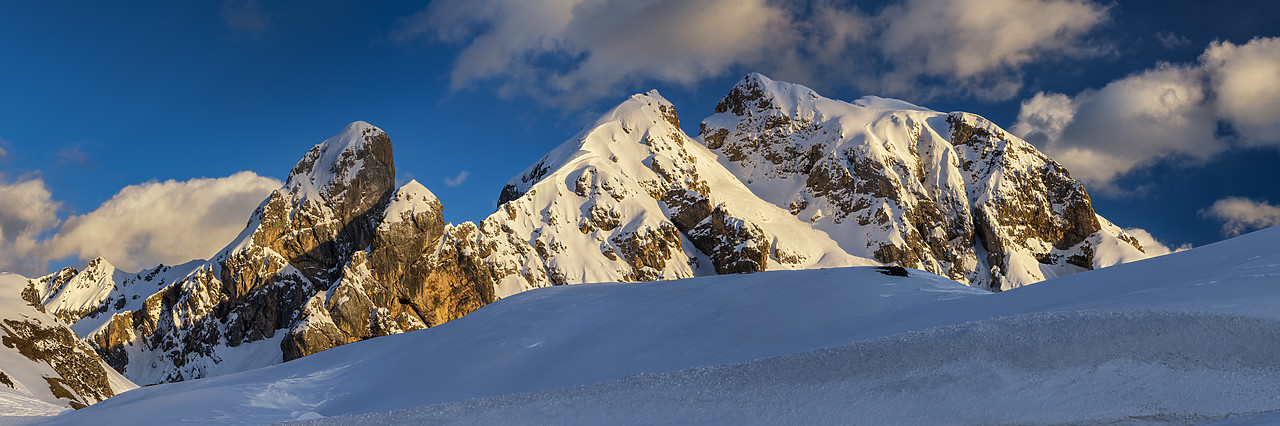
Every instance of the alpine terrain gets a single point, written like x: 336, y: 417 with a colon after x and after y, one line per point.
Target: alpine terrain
x: 44, y: 367
x: 1186, y: 338
x: 779, y: 178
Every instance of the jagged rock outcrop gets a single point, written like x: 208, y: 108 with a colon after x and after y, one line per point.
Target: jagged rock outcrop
x: 334, y: 256
x: 408, y: 279
x: 786, y: 179
x: 44, y: 366
x: 947, y: 193
x: 633, y: 198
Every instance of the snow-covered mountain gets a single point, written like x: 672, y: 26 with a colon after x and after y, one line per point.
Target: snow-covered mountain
x: 44, y: 367
x: 787, y: 180
x: 633, y: 198
x: 947, y: 193
x: 336, y: 255
x: 1184, y: 338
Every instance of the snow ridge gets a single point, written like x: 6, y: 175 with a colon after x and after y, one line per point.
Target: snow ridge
x: 948, y: 193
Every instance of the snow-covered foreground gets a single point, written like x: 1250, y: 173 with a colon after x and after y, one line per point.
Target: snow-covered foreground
x: 1121, y: 367
x: 1188, y: 337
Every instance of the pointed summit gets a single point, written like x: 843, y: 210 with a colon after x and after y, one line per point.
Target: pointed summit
x: 72, y: 298
x: 947, y: 193
x: 353, y: 168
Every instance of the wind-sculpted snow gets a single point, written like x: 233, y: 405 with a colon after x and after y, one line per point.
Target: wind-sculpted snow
x: 1097, y: 367
x: 948, y: 193
x: 1188, y: 337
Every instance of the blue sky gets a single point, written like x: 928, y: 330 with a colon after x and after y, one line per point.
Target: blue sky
x: 113, y: 114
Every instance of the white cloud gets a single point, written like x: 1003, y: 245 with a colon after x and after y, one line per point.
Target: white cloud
x: 1246, y: 79
x: 141, y: 226
x: 1044, y: 117
x: 163, y: 222
x: 1152, y: 246
x: 26, y: 214
x: 981, y: 44
x: 457, y: 180
x: 1101, y: 134
x: 1170, y: 112
x: 570, y: 51
x: 575, y: 49
x: 1239, y: 215
x: 245, y: 16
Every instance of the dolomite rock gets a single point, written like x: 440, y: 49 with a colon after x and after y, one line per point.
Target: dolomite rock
x: 951, y: 193
x: 41, y: 359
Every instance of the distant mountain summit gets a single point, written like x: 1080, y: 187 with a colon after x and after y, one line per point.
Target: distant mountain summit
x: 951, y: 193
x: 44, y: 367
x: 779, y: 178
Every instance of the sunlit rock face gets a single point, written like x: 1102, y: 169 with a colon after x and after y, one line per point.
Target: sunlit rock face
x: 779, y: 178
x: 337, y: 255
x: 633, y: 198
x: 44, y: 366
x: 951, y: 193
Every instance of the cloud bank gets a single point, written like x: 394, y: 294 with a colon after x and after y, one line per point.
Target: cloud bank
x: 1151, y: 245
x: 1173, y: 112
x: 26, y: 215
x: 1239, y: 215
x: 574, y: 51
x: 141, y: 226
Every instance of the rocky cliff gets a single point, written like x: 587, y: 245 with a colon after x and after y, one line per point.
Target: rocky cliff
x: 633, y: 198
x: 337, y: 255
x: 779, y: 178
x: 44, y: 367
x: 951, y: 193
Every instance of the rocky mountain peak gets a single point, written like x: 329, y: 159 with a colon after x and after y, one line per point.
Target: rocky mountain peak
x: 948, y: 193
x: 629, y: 131
x: 74, y: 294
x: 756, y: 93
x: 352, y: 170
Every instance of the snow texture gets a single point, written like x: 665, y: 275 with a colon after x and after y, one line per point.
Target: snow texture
x: 1185, y: 338
x: 26, y: 388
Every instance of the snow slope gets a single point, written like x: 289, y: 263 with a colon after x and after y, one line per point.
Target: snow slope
x: 1188, y: 337
x: 633, y: 198
x: 947, y: 193
x: 44, y: 368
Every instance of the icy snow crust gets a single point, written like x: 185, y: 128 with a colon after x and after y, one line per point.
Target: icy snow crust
x: 1188, y: 337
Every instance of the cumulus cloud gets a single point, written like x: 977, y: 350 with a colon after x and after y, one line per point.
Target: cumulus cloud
x: 981, y: 44
x: 1152, y: 246
x: 571, y: 51
x: 1239, y: 215
x: 141, y: 226
x: 457, y: 180
x: 1246, y: 80
x: 1167, y: 113
x: 26, y: 214
x: 575, y: 48
x: 163, y: 222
